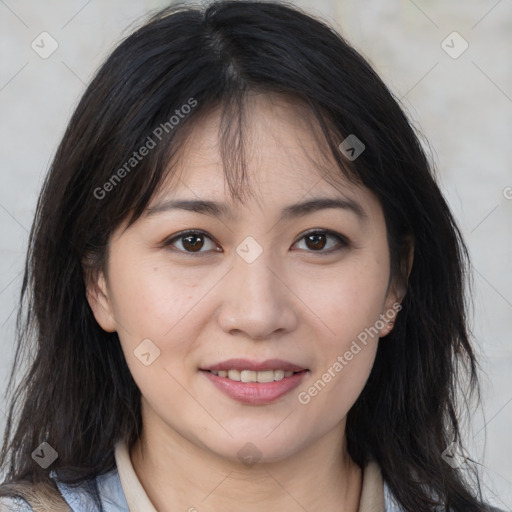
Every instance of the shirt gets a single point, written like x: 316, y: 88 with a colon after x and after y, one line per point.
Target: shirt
x: 120, y: 490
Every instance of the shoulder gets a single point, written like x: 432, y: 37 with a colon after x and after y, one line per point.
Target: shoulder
x: 391, y: 505
x: 108, y: 488
x: 79, y: 498
x: 14, y: 505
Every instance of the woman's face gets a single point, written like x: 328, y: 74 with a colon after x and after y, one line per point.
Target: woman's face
x: 258, y: 282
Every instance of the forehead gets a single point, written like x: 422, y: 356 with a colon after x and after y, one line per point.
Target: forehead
x: 281, y: 145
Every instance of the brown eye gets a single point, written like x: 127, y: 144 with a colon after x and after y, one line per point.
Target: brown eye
x: 316, y: 241
x: 191, y: 241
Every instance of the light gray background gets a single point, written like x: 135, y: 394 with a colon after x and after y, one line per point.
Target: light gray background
x: 462, y: 105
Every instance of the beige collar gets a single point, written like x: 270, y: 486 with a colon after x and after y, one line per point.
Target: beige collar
x: 372, y: 494
x: 135, y: 495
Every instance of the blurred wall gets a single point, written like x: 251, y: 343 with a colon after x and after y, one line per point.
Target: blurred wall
x: 450, y: 64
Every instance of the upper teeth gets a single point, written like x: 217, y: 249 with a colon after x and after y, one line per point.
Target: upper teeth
x: 252, y: 376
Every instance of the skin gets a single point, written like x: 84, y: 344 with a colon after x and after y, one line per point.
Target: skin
x: 291, y: 303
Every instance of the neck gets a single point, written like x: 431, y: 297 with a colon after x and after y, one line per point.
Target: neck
x: 180, y: 475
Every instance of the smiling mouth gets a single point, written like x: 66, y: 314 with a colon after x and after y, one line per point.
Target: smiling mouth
x: 254, y: 376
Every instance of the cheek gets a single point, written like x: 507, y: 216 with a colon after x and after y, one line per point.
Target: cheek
x: 347, y: 299
x: 154, y: 302
x: 343, y: 390
x: 149, y: 298
x: 151, y: 305
x: 349, y: 304
x: 337, y: 382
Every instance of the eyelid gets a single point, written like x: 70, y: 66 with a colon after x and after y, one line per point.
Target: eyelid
x: 342, y: 240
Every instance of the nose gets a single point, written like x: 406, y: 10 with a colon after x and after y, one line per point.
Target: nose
x: 256, y: 299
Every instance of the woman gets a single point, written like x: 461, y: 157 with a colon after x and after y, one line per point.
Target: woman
x: 246, y: 287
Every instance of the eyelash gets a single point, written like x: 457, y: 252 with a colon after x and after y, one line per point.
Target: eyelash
x: 342, y: 240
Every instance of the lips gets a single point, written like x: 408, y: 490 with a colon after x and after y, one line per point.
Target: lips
x: 255, y: 366
x: 253, y: 382
x: 255, y: 393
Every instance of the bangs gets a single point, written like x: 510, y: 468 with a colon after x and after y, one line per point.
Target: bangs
x: 168, y: 163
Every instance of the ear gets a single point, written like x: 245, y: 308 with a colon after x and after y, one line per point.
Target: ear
x: 98, y: 298
x: 397, y: 291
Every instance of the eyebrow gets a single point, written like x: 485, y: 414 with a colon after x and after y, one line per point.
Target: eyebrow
x: 216, y: 209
